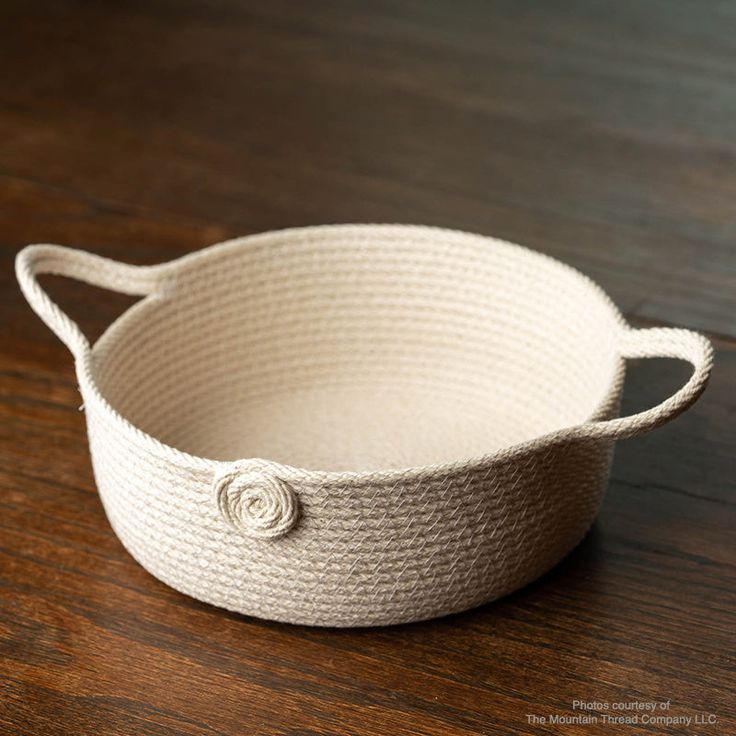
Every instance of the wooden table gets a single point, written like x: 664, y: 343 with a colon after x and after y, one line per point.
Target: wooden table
x: 600, y: 133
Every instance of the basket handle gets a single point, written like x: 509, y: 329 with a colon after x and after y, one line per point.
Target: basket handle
x: 660, y: 342
x: 78, y: 264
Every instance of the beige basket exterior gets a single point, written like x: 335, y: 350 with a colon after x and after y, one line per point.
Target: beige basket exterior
x: 377, y: 544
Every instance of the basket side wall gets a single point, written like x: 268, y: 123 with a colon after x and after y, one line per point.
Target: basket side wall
x: 363, y: 553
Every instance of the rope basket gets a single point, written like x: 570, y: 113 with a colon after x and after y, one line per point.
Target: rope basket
x: 354, y: 425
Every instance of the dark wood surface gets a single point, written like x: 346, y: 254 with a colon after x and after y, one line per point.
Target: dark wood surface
x: 600, y: 133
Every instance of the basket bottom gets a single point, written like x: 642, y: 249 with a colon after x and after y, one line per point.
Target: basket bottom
x: 357, y: 429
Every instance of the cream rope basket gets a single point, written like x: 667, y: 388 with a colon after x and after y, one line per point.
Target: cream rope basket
x: 354, y: 424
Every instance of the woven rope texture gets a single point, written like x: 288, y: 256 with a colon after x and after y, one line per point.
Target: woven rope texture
x: 358, y: 424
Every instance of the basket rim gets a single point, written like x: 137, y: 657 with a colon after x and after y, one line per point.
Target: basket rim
x: 94, y: 397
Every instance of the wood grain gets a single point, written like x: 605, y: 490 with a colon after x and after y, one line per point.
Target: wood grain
x: 600, y: 133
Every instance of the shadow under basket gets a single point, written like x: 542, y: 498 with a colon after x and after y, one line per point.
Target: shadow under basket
x: 354, y: 425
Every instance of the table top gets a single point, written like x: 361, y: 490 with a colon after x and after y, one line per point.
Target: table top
x: 599, y: 133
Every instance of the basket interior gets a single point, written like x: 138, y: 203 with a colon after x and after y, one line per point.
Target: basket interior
x: 352, y: 349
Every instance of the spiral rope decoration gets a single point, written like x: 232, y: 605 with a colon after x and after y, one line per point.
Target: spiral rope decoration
x: 257, y: 504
